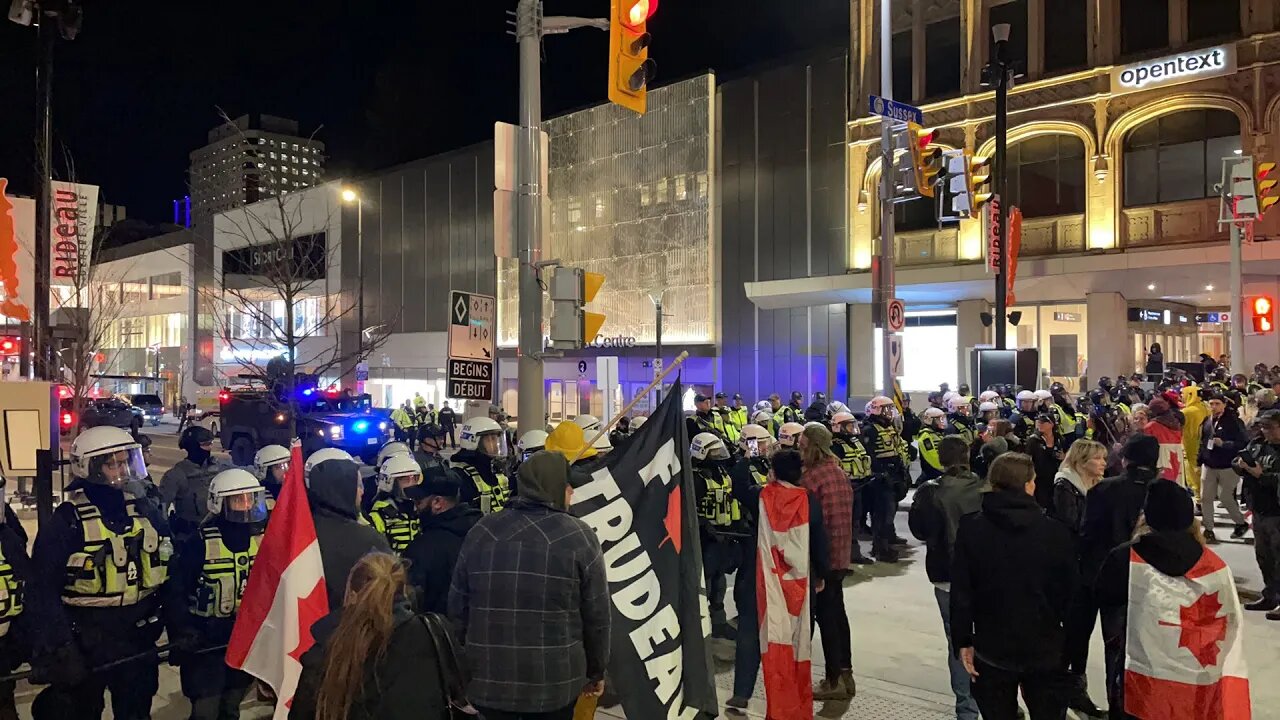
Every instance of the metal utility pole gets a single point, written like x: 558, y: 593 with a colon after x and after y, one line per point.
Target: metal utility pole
x: 39, y: 341
x: 657, y: 355
x: 360, y: 282
x: 1236, y: 339
x: 884, y: 288
x: 1000, y: 66
x: 530, y: 27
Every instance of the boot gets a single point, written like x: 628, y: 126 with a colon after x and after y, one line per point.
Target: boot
x: 883, y: 552
x: 1080, y: 701
x: 834, y: 688
x: 1240, y: 531
x: 1266, y: 604
x: 849, y: 683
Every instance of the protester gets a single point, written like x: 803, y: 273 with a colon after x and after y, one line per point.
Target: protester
x: 1081, y: 471
x: 1260, y: 466
x: 534, y: 621
x: 1148, y: 584
x: 934, y: 519
x: 334, y: 492
x: 444, y: 523
x: 1194, y: 412
x: 373, y: 659
x: 827, y: 481
x: 1046, y: 450
x: 1166, y: 427
x: 1222, y: 437
x: 1113, y: 506
x: 1011, y: 584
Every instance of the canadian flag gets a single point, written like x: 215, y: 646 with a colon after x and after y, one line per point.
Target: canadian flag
x: 1183, y: 654
x: 782, y: 597
x: 284, y: 596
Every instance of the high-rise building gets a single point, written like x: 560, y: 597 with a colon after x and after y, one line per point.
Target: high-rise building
x: 248, y: 159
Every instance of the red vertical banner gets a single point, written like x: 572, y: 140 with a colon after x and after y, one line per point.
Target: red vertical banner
x: 1015, y: 243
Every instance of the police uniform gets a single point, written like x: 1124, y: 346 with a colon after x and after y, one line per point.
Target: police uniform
x: 738, y: 417
x: 856, y: 463
x: 186, y: 488
x: 719, y: 516
x: 963, y: 428
x: 724, y: 418
x: 15, y: 570
x: 397, y: 524
x: 886, y: 448
x: 929, y: 441
x: 488, y: 489
x: 99, y: 566
x: 405, y: 430
x: 791, y: 413
x: 210, y: 576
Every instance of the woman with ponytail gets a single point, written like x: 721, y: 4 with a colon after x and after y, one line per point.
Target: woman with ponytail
x: 373, y: 658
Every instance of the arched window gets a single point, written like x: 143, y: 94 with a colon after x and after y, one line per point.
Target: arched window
x: 1047, y: 175
x: 1178, y: 156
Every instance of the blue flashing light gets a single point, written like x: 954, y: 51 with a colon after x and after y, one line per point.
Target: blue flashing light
x: 308, y: 392
x: 360, y: 426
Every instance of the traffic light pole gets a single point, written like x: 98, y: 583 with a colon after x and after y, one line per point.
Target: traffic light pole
x: 1236, y: 339
x: 884, y: 288
x: 1001, y: 67
x: 531, y: 406
x: 39, y: 342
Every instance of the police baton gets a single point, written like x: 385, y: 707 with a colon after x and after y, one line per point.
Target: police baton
x: 156, y: 651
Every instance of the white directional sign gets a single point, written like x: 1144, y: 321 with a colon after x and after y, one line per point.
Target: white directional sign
x: 471, y: 345
x: 897, y: 316
x: 895, y: 355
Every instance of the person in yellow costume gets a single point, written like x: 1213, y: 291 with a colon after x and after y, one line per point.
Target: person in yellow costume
x: 1194, y: 411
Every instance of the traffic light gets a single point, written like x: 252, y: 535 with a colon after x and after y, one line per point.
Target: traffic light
x: 10, y: 345
x: 978, y: 179
x: 1265, y: 187
x: 922, y: 161
x: 630, y: 68
x: 572, y: 327
x: 1262, y: 315
x: 957, y: 202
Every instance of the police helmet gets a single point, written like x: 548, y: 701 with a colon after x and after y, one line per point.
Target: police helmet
x: 1057, y: 388
x: 237, y: 496
x: 324, y: 455
x: 108, y: 456
x: 987, y: 406
x: 477, y: 428
x: 269, y: 456
x: 988, y: 396
x: 762, y: 417
x: 789, y: 434
x: 193, y: 437
x: 638, y: 422
x: 708, y: 446
x: 591, y: 425
x: 879, y: 405
x: 395, y: 468
x: 960, y: 404
x: 1105, y: 383
x: 753, y: 434
x: 933, y: 417
x: 389, y: 449
x: 842, y: 417
x: 532, y: 441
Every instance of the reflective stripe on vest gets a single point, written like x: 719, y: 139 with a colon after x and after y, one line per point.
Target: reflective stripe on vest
x: 114, y: 570
x: 223, y: 575
x: 492, y: 497
x: 853, y: 459
x: 12, y: 591
x: 387, y: 518
x: 887, y: 441
x: 717, y: 504
x: 758, y: 473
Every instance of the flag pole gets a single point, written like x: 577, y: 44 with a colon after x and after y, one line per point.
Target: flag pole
x: 684, y: 355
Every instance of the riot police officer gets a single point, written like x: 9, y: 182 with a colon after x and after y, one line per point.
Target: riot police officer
x: 889, y: 483
x: 185, y: 487
x: 208, y: 582
x: 719, y: 517
x: 530, y: 443
x: 15, y: 572
x: 724, y: 414
x: 392, y: 513
x: 753, y: 467
x: 703, y: 420
x: 482, y: 442
x: 929, y: 440
x: 271, y: 463
x: 591, y: 425
x: 856, y: 463
x: 1065, y: 411
x: 960, y: 414
x: 99, y: 565
x: 1024, y: 419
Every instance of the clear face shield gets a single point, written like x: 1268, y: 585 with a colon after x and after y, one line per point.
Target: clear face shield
x: 494, y: 444
x: 276, y: 473
x: 719, y: 452
x: 118, y: 468
x: 964, y: 410
x: 245, y: 507
x: 400, y: 483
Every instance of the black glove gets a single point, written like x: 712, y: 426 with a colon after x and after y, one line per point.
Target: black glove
x: 66, y: 665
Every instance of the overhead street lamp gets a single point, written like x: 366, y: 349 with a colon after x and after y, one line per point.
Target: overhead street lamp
x: 349, y: 196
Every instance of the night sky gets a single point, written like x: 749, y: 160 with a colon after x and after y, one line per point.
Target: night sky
x: 379, y: 82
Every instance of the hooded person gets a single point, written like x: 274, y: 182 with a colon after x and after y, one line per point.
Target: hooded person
x: 185, y: 488
x: 444, y: 521
x: 1166, y: 427
x: 1112, y: 507
x: 334, y: 490
x: 1194, y: 412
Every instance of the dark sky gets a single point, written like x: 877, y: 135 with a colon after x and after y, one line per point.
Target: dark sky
x: 383, y: 82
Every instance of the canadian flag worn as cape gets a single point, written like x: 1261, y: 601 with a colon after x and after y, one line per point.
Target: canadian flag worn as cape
x: 285, y: 594
x: 1183, y: 654
x: 782, y: 599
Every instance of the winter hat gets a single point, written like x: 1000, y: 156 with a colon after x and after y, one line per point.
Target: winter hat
x: 1168, y: 507
x: 1141, y: 451
x: 1158, y: 406
x: 819, y: 436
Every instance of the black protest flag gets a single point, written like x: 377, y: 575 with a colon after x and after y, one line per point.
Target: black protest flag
x: 640, y: 502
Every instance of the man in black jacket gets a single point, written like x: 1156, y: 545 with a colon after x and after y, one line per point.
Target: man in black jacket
x: 1222, y: 436
x: 1011, y: 584
x: 433, y: 554
x: 334, y: 491
x: 1112, y: 507
x: 1260, y: 465
x: 934, y: 518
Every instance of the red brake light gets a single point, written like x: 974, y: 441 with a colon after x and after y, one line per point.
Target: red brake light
x: 68, y: 419
x: 224, y: 396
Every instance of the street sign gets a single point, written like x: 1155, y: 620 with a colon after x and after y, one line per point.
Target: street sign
x: 895, y: 355
x: 362, y: 372
x: 894, y: 110
x: 471, y: 338
x: 897, y: 316
x: 657, y: 367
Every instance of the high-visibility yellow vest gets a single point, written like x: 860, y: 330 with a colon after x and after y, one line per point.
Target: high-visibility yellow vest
x: 853, y: 458
x: 114, y: 570
x: 717, y: 504
x: 759, y: 468
x: 929, y: 440
x: 738, y: 417
x: 388, y: 519
x: 11, y: 595
x: 223, y: 576
x: 963, y: 429
x: 492, y: 497
x: 726, y: 425
x: 402, y: 419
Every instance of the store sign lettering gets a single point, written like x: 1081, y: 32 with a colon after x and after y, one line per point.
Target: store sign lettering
x: 1172, y: 70
x: 613, y: 342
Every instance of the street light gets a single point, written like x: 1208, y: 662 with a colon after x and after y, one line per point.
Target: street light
x: 349, y: 195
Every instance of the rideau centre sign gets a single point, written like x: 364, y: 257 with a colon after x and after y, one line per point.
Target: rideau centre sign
x: 1184, y: 67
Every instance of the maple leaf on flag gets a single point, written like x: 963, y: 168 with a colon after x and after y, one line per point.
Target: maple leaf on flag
x: 795, y: 591
x: 310, y: 609
x: 1202, y: 629
x: 672, y: 520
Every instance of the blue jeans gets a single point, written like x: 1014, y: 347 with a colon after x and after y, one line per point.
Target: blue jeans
x: 966, y: 706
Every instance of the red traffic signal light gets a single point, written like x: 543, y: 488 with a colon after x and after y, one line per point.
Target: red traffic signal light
x: 636, y: 12
x: 1262, y: 315
x: 630, y: 68
x: 9, y: 345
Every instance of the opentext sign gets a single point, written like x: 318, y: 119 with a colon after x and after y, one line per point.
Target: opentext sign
x: 1172, y: 70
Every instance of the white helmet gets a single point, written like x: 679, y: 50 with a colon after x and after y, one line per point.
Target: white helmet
x: 397, y: 466
x: 268, y: 457
x: 950, y: 397
x: 836, y: 407
x: 638, y: 422
x: 764, y: 405
x: 478, y: 427
x: 789, y: 434
x: 532, y: 441
x: 750, y: 432
x: 988, y: 406
x: 391, y: 448
x: 959, y: 401
x: 762, y: 418
x: 1025, y: 395
x: 841, y: 418
x: 324, y: 455
x: 814, y: 423
x: 233, y: 483
x: 1043, y: 395
x: 933, y: 417
x: 706, y: 445
x: 99, y: 442
x: 591, y: 425
x: 988, y: 396
x: 879, y: 404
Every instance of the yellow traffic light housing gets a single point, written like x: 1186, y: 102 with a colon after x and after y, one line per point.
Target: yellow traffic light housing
x: 1265, y: 187
x: 630, y: 68
x: 978, y: 179
x: 572, y: 326
x: 918, y: 140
